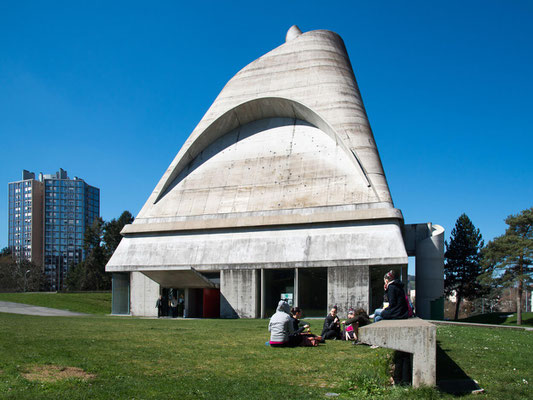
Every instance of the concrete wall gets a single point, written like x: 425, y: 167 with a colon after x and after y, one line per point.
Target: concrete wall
x: 144, y: 294
x: 270, y: 164
x: 239, y: 293
x: 312, y: 69
x: 324, y: 245
x: 430, y: 273
x: 349, y: 287
x: 426, y: 242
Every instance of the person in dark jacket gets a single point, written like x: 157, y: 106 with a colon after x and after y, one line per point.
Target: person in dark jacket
x: 397, y: 309
x: 302, y: 335
x: 159, y: 306
x: 296, y: 338
x: 332, y: 326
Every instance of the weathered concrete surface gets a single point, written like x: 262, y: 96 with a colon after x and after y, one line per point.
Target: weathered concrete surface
x: 144, y: 293
x: 281, y: 172
x: 27, y: 309
x: 370, y: 243
x: 182, y: 277
x: 239, y: 290
x: 312, y: 69
x: 349, y: 287
x: 412, y: 335
x: 426, y: 242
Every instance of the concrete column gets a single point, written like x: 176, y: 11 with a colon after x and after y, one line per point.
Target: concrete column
x: 296, y: 299
x: 348, y: 287
x: 144, y: 294
x: 239, y: 297
x: 186, y: 303
x: 262, y: 293
x: 430, y: 272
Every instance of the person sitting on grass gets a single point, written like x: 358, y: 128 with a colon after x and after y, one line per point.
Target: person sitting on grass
x: 332, y: 326
x: 301, y: 335
x: 397, y: 309
x: 281, y: 326
x: 356, y: 319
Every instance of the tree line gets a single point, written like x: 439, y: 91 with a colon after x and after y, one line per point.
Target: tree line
x: 473, y: 270
x: 101, y: 239
x: 99, y: 243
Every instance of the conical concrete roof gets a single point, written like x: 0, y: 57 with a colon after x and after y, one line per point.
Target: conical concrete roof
x: 287, y: 142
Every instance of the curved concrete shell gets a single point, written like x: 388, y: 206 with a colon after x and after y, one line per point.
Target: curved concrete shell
x: 282, y: 172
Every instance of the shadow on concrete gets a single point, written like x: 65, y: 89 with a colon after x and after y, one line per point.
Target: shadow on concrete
x: 226, y: 310
x: 451, y: 378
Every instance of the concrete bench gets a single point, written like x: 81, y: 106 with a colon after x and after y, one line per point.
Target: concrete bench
x: 412, y: 335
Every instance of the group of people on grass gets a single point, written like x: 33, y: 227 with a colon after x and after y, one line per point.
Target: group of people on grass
x: 286, y: 329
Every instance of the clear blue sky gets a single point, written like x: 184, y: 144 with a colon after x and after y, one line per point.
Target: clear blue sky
x: 109, y: 91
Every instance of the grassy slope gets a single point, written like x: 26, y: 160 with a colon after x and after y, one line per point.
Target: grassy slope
x: 217, y: 359
x: 499, y: 359
x: 90, y: 303
x: 501, y: 319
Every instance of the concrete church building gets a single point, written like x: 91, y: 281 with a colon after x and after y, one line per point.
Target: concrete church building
x: 279, y: 192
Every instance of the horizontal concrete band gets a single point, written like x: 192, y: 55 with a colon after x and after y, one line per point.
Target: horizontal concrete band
x: 324, y: 246
x: 277, y: 265
x: 220, y: 221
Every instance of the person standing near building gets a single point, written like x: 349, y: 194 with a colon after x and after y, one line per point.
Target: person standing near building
x: 159, y: 306
x: 181, y: 305
x: 174, y: 306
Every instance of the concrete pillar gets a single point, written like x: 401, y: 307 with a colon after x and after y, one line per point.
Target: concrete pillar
x: 144, y: 294
x: 262, y: 315
x: 239, y: 293
x: 430, y: 273
x: 348, y: 287
x: 187, y: 302
x: 296, y: 300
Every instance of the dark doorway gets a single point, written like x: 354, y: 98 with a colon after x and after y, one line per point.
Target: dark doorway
x: 195, y: 303
x: 313, y: 291
x: 279, y: 283
x: 173, y: 300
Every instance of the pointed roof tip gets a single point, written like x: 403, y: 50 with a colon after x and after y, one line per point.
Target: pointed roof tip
x: 292, y: 33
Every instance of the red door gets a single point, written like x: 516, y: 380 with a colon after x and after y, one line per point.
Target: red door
x: 211, y: 303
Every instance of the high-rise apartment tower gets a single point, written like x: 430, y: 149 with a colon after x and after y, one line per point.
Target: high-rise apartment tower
x: 60, y: 209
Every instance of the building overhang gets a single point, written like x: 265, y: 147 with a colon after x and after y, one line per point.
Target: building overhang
x: 370, y: 243
x: 179, y: 277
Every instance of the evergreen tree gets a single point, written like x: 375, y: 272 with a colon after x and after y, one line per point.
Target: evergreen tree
x: 100, y: 241
x: 509, y: 257
x: 112, y: 236
x: 462, y: 262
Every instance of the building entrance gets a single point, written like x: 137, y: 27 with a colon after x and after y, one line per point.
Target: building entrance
x: 173, y: 302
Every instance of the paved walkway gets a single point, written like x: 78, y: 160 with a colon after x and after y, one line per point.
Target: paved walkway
x: 18, y: 308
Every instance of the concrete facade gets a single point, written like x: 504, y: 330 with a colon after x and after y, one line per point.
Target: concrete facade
x: 282, y: 173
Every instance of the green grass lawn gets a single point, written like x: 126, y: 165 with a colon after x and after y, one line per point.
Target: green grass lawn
x: 89, y: 302
x: 501, y: 318
x: 219, y: 359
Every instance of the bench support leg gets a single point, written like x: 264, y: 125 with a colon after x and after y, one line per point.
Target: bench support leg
x: 424, y: 369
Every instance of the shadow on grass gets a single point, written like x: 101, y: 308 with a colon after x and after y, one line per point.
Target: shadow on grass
x: 451, y: 378
x: 500, y: 318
